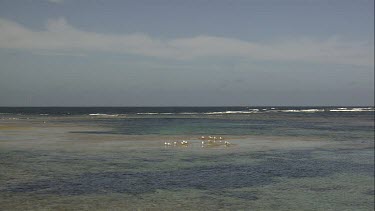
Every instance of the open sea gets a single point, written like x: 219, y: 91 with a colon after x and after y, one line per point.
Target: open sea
x: 134, y: 158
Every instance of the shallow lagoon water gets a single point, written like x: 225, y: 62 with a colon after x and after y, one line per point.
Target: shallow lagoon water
x: 86, y: 163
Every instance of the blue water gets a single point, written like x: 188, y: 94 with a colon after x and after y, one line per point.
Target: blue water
x: 177, y: 110
x: 281, y: 158
x: 278, y: 121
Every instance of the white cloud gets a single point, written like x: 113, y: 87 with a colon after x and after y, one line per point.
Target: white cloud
x: 53, y: 53
x: 56, y: 1
x: 60, y: 36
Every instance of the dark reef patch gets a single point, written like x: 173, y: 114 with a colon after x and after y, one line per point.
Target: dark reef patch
x: 218, y: 177
x: 370, y: 192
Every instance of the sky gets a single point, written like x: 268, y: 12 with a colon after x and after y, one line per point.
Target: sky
x: 186, y: 53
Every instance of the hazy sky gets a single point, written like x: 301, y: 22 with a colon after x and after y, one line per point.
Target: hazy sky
x: 186, y: 53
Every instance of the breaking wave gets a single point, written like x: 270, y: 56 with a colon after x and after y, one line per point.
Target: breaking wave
x: 105, y: 115
x: 265, y: 110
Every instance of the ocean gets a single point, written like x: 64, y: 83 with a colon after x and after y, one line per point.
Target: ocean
x: 126, y: 158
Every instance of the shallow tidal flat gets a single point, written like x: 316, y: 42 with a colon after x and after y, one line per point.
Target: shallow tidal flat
x: 61, y: 163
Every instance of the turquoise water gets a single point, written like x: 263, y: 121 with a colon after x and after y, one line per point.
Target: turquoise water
x: 276, y: 161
